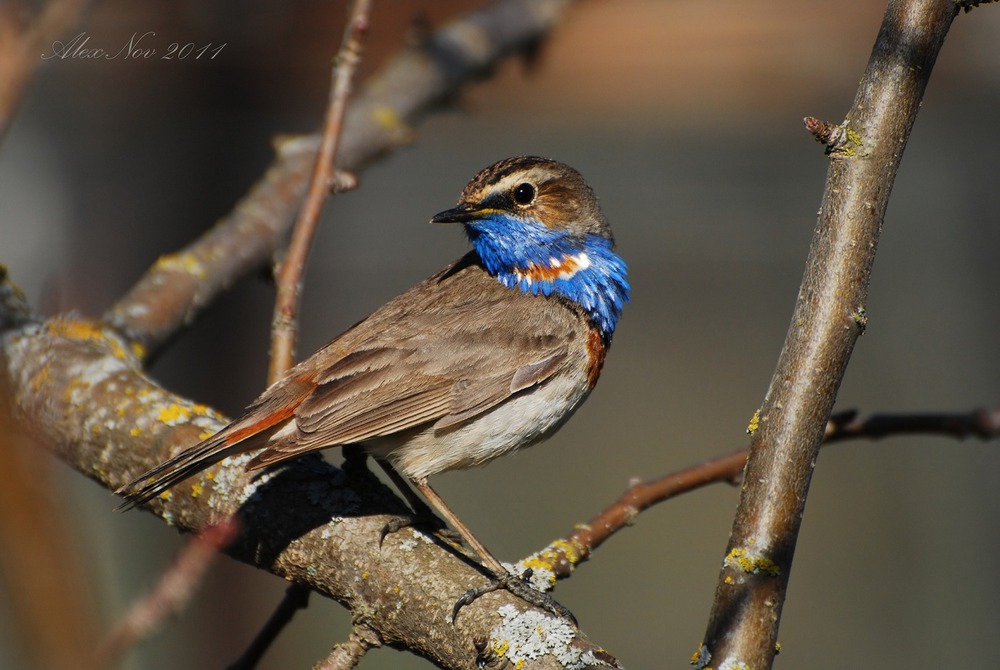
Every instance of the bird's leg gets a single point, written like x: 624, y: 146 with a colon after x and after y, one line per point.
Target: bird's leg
x: 422, y: 513
x: 502, y: 578
x: 442, y: 507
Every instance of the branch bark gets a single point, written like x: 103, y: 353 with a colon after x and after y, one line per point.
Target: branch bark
x: 829, y: 316
x: 79, y: 387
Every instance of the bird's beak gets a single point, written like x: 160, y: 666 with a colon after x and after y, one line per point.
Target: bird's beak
x: 462, y: 214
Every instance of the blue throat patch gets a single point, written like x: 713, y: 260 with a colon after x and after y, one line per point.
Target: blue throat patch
x: 539, y: 260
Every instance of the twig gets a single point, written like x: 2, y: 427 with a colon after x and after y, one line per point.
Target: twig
x: 983, y: 423
x: 560, y: 558
x: 296, y: 598
x: 347, y: 655
x: 827, y: 320
x: 21, y: 54
x: 289, y: 276
x: 325, y: 178
x: 170, y: 594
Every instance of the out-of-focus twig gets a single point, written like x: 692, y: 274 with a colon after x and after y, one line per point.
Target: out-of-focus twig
x: 48, y: 602
x: 170, y: 593
x: 983, y: 423
x: 23, y: 47
x: 288, y: 279
x: 296, y: 598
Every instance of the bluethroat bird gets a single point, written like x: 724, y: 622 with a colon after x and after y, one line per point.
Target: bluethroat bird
x: 490, y: 355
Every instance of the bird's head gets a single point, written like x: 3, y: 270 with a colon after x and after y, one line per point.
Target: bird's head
x: 528, y: 190
x: 538, y: 226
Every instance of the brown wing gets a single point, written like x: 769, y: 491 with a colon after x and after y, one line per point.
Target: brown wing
x: 444, y: 352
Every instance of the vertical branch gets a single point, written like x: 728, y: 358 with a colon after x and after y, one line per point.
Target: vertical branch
x: 289, y: 276
x: 829, y: 316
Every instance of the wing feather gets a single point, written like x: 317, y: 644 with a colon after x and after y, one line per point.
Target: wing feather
x: 441, y: 354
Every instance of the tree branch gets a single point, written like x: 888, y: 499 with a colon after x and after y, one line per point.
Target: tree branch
x: 560, y: 558
x: 78, y: 386
x: 828, y: 318
x: 288, y: 279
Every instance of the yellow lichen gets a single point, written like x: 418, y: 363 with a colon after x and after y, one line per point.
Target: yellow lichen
x: 751, y: 564
x: 197, y: 489
x: 173, y: 413
x: 388, y: 118
x: 135, y: 432
x: 41, y: 377
x: 182, y: 262
x: 500, y: 648
x: 86, y: 330
x: 754, y: 422
x: 138, y: 349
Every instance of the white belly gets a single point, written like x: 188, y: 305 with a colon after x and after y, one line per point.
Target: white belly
x: 518, y: 422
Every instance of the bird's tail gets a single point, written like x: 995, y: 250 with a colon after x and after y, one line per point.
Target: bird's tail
x: 266, y: 415
x: 189, y: 462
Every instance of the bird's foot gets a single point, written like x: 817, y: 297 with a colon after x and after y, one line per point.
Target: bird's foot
x: 429, y: 521
x: 520, y: 586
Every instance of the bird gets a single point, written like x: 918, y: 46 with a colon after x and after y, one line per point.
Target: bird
x: 492, y: 354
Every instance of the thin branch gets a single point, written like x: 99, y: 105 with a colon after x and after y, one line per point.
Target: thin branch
x: 289, y: 276
x: 829, y: 316
x: 983, y: 423
x: 347, y: 655
x: 560, y: 558
x: 288, y: 280
x: 296, y: 598
x: 170, y: 594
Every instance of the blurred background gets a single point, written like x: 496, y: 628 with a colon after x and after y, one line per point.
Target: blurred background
x: 686, y: 118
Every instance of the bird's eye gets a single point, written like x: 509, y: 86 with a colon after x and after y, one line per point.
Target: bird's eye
x: 524, y: 193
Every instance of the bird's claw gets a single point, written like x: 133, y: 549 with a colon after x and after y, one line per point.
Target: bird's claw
x: 520, y: 586
x: 435, y: 524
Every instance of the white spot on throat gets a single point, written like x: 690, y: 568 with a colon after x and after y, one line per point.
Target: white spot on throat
x: 559, y: 268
